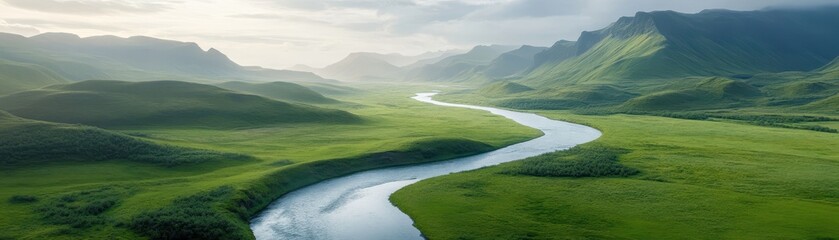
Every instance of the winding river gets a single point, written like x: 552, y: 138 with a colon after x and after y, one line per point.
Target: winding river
x: 357, y: 207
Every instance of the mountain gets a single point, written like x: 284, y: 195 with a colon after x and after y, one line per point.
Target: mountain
x: 15, y: 77
x: 133, y: 58
x: 159, y: 103
x: 283, y: 91
x: 360, y: 67
x: 457, y: 67
x: 667, y: 44
x: 28, y: 142
x: 513, y: 62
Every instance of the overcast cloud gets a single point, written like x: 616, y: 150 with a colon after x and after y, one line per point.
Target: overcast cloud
x: 281, y: 33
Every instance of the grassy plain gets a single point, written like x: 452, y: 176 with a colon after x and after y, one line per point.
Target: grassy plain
x: 65, y: 200
x: 697, y: 180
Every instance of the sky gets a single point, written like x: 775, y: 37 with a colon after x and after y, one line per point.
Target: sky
x: 282, y: 33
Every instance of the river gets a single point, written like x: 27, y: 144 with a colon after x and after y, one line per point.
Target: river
x: 357, y: 206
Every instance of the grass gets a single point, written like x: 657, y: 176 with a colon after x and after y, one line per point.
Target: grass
x: 579, y: 161
x: 698, y: 179
x: 396, y: 130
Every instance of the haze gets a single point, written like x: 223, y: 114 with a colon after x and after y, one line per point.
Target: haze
x: 282, y: 33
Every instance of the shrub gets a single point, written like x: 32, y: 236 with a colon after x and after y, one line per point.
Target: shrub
x: 23, y: 199
x: 579, y: 161
x: 80, y: 209
x: 194, y: 217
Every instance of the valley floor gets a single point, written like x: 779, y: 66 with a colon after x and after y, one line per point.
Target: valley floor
x: 96, y: 200
x: 698, y: 180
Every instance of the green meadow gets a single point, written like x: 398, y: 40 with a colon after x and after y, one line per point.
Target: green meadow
x: 104, y: 198
x: 709, y: 179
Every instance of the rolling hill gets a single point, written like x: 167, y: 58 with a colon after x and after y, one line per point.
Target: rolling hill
x: 28, y: 142
x: 15, y: 77
x: 160, y: 103
x: 135, y: 58
x: 283, y: 91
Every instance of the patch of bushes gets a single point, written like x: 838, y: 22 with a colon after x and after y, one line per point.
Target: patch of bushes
x: 29, y: 143
x: 590, y: 160
x: 23, y: 199
x: 80, y: 209
x: 194, y: 217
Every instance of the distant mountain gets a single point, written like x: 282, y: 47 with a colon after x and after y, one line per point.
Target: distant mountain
x: 160, y: 103
x: 513, y: 62
x: 668, y: 44
x: 15, y: 77
x: 133, y: 58
x: 362, y: 66
x: 283, y: 91
x: 461, y: 65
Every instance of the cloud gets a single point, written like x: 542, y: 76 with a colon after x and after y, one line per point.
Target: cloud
x: 91, y: 6
x: 69, y: 25
x: 21, y: 29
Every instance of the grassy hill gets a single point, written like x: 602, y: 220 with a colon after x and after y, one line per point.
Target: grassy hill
x: 15, y: 77
x: 28, y: 142
x: 284, y: 91
x: 160, y: 103
x: 709, y: 93
x: 503, y: 89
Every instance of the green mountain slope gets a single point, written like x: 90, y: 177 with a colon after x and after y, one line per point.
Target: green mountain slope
x: 135, y: 58
x: 159, y: 103
x: 15, y: 77
x: 279, y: 90
x: 27, y: 142
x: 710, y: 43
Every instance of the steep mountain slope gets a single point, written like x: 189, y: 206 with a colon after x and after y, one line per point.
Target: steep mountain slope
x: 15, y: 77
x: 133, y: 58
x: 279, y: 90
x: 710, y: 43
x: 361, y: 66
x: 159, y: 103
x: 458, y: 67
x: 27, y: 142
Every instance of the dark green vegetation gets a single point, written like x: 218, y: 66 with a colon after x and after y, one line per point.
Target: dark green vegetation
x: 29, y: 142
x: 79, y: 194
x: 580, y: 161
x: 697, y: 179
x: 283, y: 91
x: 133, y: 59
x: 160, y: 103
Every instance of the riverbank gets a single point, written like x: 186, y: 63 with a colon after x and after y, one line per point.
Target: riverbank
x: 357, y: 207
x: 703, y: 179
